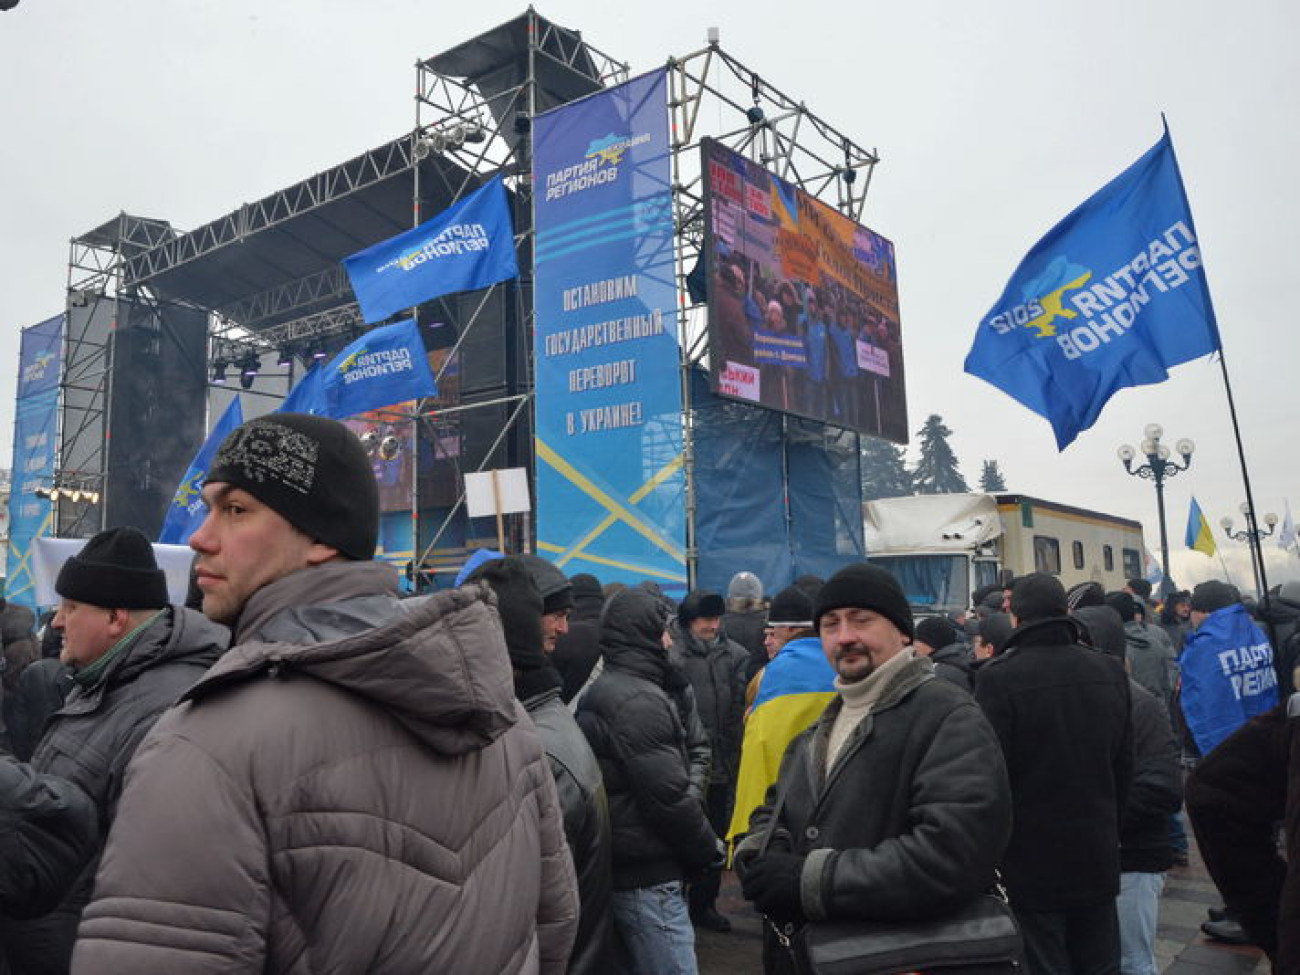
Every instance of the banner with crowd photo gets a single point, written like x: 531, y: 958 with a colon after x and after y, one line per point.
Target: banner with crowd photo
x: 610, y: 485
x: 803, y: 302
x: 35, y: 442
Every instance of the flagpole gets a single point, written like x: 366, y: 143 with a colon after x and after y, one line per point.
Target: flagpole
x: 1256, y: 555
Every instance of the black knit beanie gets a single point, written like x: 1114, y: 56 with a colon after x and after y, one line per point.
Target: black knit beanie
x: 1103, y: 630
x: 791, y: 607
x: 1209, y: 597
x: 310, y: 470
x: 114, y: 570
x: 863, y: 586
x: 937, y: 632
x: 1124, y: 604
x: 1038, y: 596
x: 1085, y: 594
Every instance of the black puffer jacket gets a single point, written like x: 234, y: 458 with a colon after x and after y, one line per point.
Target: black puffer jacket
x: 636, y: 716
x: 40, y: 693
x: 91, y: 740
x: 913, y: 817
x: 953, y: 664
x: 747, y: 630
x: 1062, y: 713
x: 577, y: 651
x: 1156, y: 792
x: 47, y: 833
x: 586, y: 827
x: 716, y: 671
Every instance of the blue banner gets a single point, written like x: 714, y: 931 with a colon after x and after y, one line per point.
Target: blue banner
x: 469, y: 245
x: 610, y: 487
x: 1113, y: 296
x: 307, y: 396
x: 187, y: 510
x: 35, y: 441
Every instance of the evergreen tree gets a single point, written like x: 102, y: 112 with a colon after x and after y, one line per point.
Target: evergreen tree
x: 884, y: 472
x: 991, y: 479
x: 936, y: 472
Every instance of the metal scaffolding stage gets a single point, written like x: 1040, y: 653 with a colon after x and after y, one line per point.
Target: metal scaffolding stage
x: 269, y: 279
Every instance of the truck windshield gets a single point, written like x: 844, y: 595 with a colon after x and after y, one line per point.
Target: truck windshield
x: 939, y: 583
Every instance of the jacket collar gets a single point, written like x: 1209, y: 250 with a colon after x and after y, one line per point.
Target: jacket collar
x: 317, y: 585
x: 1054, y: 631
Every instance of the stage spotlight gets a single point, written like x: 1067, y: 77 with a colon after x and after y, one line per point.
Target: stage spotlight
x: 42, y: 492
x: 755, y: 114
x: 850, y: 175
x: 389, y: 447
x: 318, y: 351
x: 472, y: 131
x: 219, y: 371
x: 92, y: 497
x: 285, y: 358
x: 74, y: 495
x: 370, y: 440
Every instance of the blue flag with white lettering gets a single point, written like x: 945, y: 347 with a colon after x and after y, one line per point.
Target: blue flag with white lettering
x: 385, y: 366
x: 1227, y: 676
x: 1113, y: 296
x: 469, y: 245
x: 187, y: 511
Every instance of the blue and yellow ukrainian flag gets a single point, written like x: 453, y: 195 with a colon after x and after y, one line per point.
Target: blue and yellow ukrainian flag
x: 796, y: 686
x: 1198, y: 531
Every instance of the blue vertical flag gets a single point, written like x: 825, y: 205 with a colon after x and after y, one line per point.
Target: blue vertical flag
x: 307, y: 395
x: 186, y: 511
x: 1113, y: 296
x: 469, y: 245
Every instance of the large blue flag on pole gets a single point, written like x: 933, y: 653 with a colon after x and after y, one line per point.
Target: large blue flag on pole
x: 469, y: 245
x: 1113, y: 296
x: 186, y: 511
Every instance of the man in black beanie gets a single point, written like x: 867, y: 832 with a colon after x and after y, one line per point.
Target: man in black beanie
x: 131, y: 655
x: 354, y: 766
x: 895, y: 803
x: 716, y: 667
x: 1062, y: 713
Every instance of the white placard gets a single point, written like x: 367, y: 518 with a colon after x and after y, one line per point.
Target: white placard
x: 512, y: 486
x: 49, y: 554
x: 872, y: 358
x: 739, y: 380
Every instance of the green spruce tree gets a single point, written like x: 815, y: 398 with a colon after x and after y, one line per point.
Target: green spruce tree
x: 991, y: 479
x: 884, y: 470
x: 936, y: 472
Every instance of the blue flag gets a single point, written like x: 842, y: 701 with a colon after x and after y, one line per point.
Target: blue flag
x: 307, y: 395
x: 187, y: 511
x: 1227, y: 676
x: 1113, y: 296
x: 385, y: 366
x: 469, y: 245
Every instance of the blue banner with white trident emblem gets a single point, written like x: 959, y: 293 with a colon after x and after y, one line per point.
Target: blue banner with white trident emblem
x: 1113, y: 296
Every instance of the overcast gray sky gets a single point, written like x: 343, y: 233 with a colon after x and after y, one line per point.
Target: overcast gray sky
x: 992, y: 120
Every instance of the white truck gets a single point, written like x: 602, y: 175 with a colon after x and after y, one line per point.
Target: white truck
x: 942, y: 547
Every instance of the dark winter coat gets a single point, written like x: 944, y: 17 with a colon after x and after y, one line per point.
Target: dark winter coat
x: 1151, y: 660
x: 1063, y: 715
x: 1235, y: 796
x: 911, y: 820
x: 636, y: 715
x: 353, y: 787
x: 586, y: 828
x: 747, y: 630
x: 716, y: 671
x: 48, y: 831
x: 953, y: 664
x: 577, y: 651
x: 91, y: 740
x: 41, y: 691
x: 1282, y: 617
x: 1156, y: 791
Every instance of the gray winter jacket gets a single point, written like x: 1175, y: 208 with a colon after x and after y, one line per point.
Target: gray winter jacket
x: 352, y: 788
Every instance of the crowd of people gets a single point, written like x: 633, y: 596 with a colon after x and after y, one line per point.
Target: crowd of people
x: 301, y: 771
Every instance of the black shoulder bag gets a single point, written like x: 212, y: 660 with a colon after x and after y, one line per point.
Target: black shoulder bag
x: 981, y: 938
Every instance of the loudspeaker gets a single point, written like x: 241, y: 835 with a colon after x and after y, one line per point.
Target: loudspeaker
x: 156, y: 391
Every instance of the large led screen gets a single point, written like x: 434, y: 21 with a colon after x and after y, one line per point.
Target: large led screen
x: 803, y: 302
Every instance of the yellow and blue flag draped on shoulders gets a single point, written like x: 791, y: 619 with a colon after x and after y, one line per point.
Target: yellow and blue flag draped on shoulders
x: 1198, y: 531
x: 795, y: 687
x: 1113, y: 296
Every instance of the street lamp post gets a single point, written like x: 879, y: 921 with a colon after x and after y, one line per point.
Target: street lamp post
x: 1252, y: 534
x: 1158, y: 469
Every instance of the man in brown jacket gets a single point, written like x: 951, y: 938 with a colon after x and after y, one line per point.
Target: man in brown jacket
x: 352, y: 787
